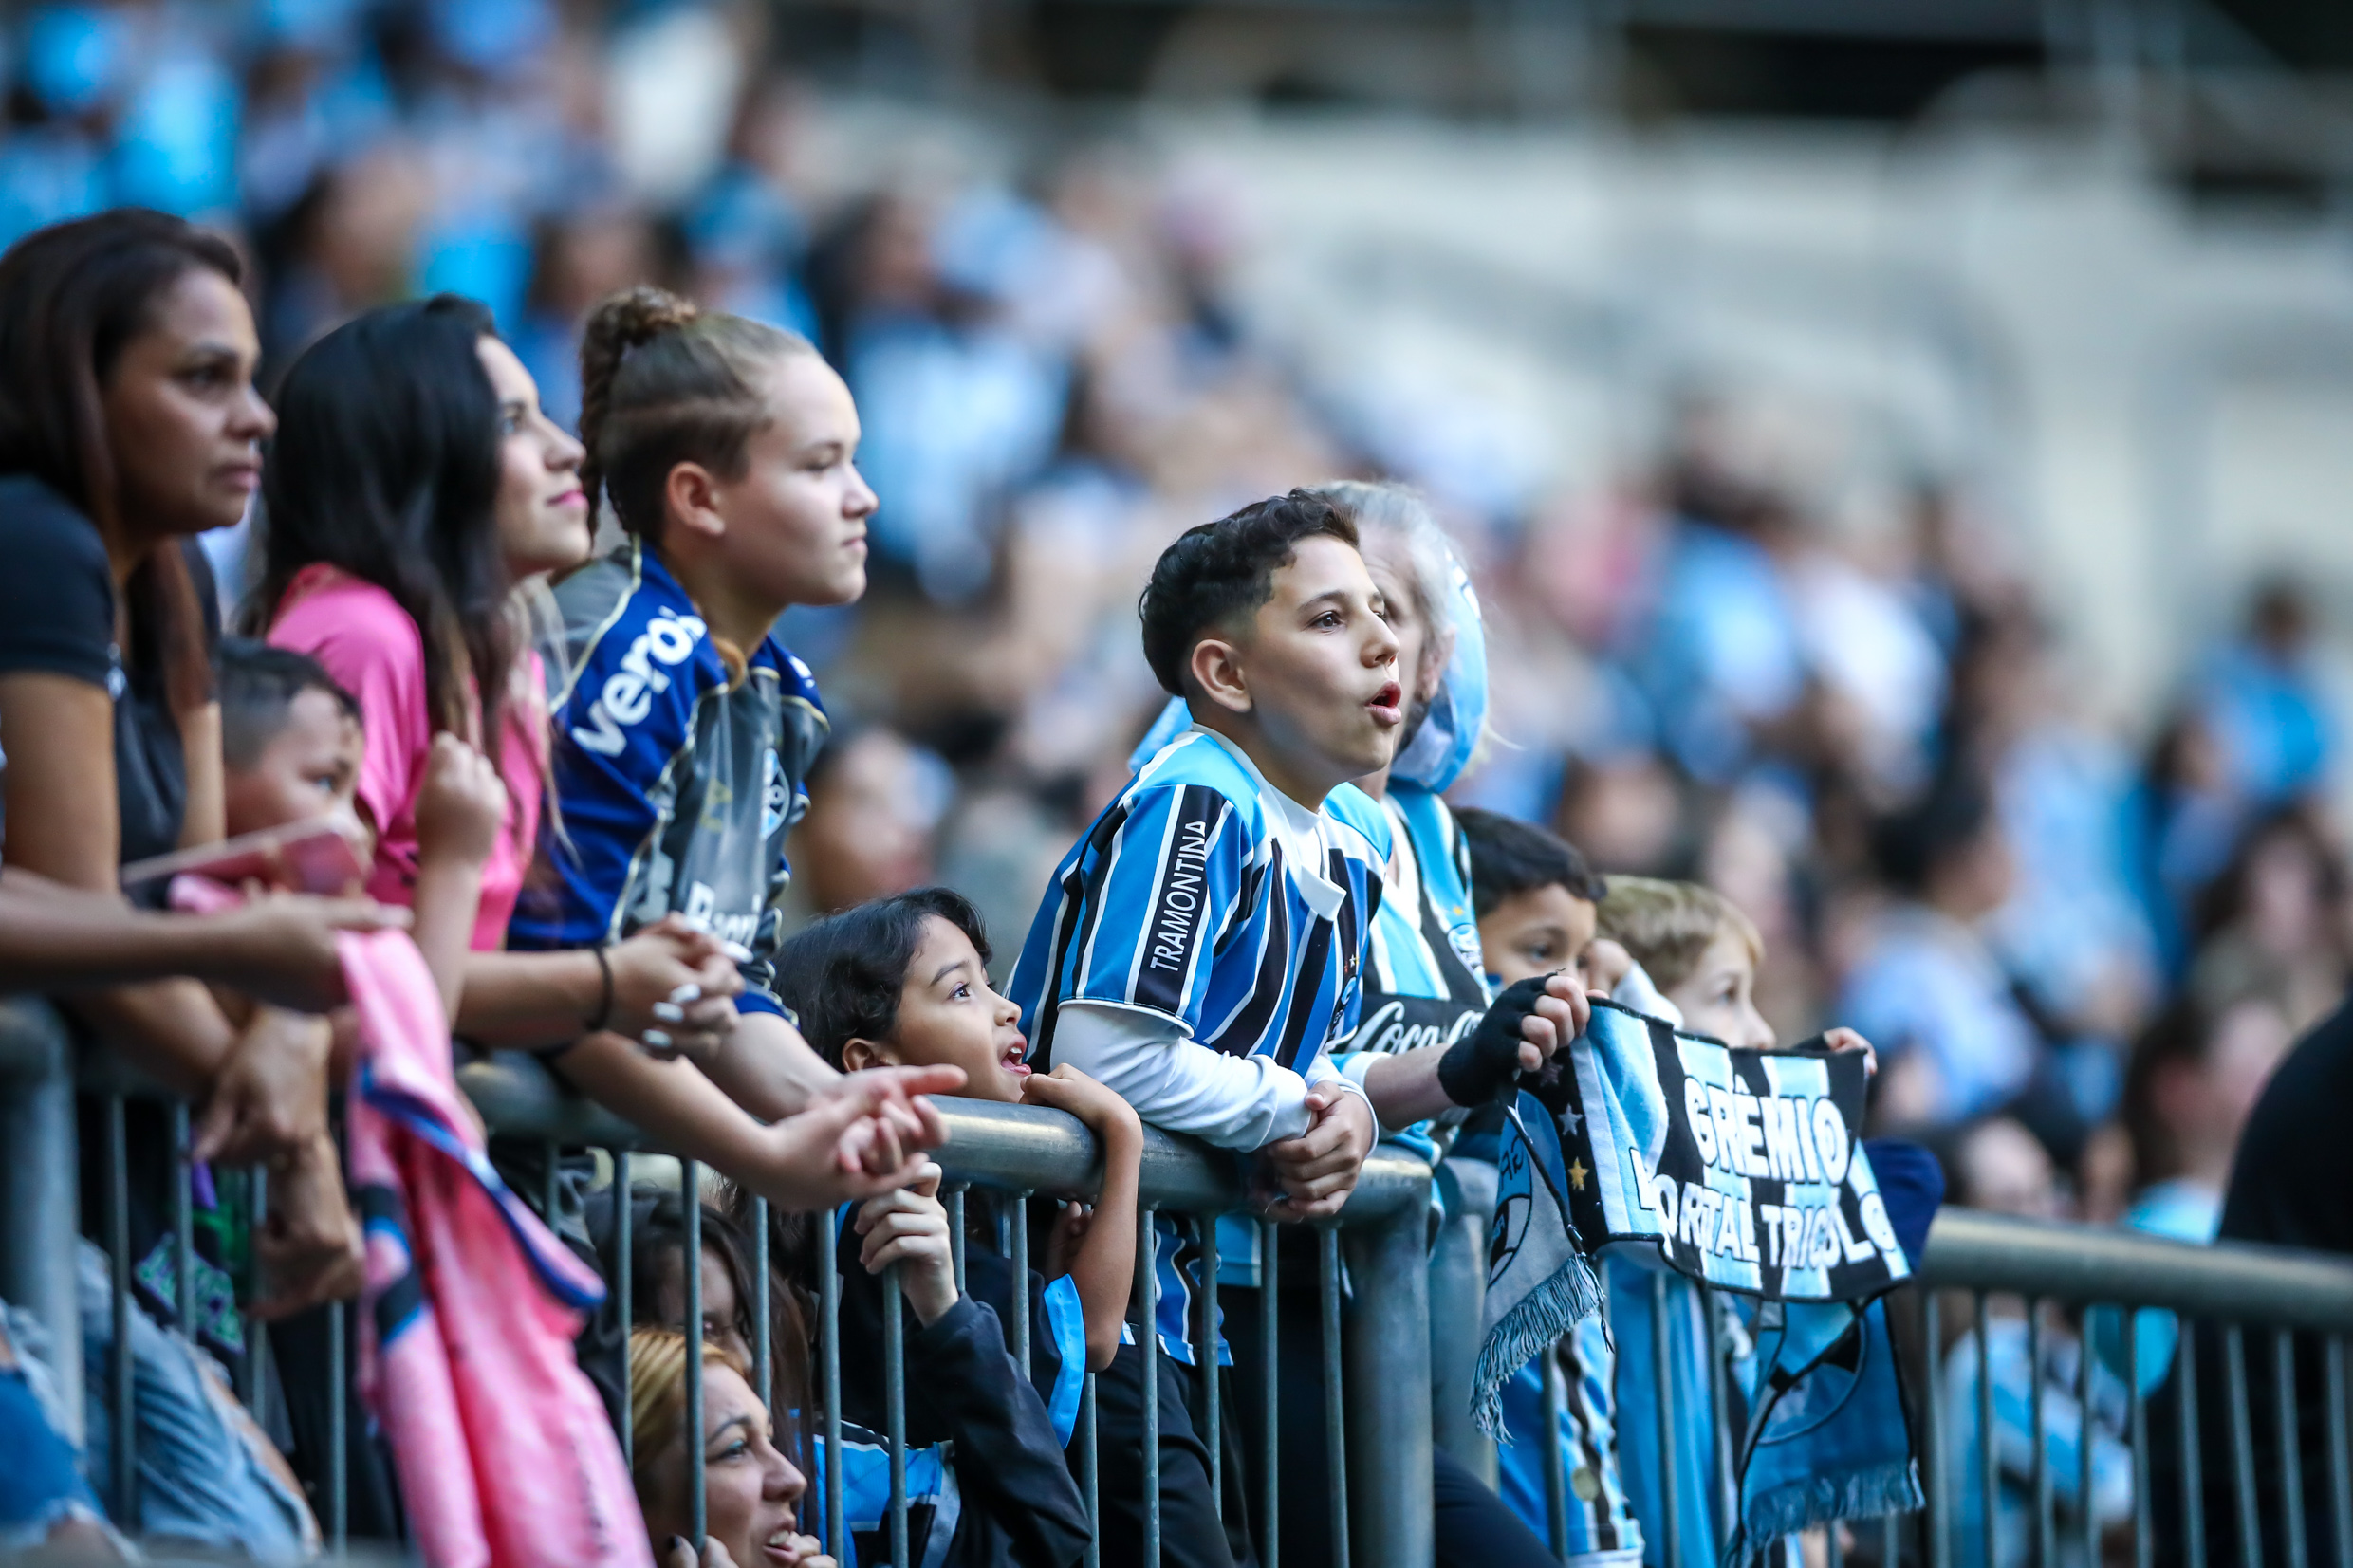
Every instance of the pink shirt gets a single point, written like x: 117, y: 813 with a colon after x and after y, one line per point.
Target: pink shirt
x: 372, y: 648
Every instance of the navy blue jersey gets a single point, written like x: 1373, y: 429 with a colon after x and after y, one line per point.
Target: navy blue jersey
x: 674, y: 785
x: 1187, y: 898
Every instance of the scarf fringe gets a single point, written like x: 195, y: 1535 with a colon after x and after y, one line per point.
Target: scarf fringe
x: 1571, y: 1295
x: 1892, y: 1488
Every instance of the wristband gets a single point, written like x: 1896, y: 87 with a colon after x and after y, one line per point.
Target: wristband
x: 604, y: 992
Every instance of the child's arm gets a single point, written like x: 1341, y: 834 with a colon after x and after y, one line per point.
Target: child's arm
x: 461, y: 808
x: 279, y: 948
x: 672, y: 987
x: 1523, y: 1027
x: 1105, y: 1264
x: 768, y: 1068
x: 850, y: 1143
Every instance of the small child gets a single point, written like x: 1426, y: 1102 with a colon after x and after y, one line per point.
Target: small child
x: 903, y: 980
x: 1702, y: 953
x: 1538, y: 907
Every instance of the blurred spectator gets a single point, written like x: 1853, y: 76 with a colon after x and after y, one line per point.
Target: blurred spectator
x: 1996, y: 1165
x: 1931, y: 992
x: 2260, y: 697
x: 875, y: 801
x: 2274, y: 924
x: 2195, y: 1077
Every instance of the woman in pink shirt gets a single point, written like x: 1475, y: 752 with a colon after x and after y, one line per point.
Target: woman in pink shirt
x: 414, y: 485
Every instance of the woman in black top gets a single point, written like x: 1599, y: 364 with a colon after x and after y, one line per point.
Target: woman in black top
x: 129, y: 423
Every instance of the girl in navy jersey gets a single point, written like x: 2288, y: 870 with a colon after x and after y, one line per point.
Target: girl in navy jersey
x: 683, y: 730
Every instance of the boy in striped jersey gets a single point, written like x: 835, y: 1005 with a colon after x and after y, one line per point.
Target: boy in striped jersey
x: 1201, y: 947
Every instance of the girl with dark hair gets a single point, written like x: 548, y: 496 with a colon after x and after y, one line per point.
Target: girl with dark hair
x: 128, y: 424
x: 412, y: 485
x: 683, y: 731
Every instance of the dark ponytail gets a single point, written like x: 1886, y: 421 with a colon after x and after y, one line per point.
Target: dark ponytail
x: 72, y: 297
x: 663, y: 383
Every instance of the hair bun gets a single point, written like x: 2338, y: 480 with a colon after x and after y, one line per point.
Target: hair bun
x: 639, y: 315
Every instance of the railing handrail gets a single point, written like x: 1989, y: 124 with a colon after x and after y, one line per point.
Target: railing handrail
x: 2279, y: 1287
x: 1015, y: 1148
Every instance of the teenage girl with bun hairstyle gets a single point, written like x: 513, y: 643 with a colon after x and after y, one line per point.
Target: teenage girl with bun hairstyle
x: 682, y: 729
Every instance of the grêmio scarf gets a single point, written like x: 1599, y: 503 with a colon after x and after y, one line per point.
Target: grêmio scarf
x: 1740, y: 1169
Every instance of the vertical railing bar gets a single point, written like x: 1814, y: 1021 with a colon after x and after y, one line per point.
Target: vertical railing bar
x: 254, y: 1373
x: 1988, y: 1482
x: 2143, y: 1544
x: 1555, y: 1481
x: 1937, y: 1530
x: 1148, y: 1347
x: 895, y: 1408
x: 1271, y: 1453
x: 2340, y: 1461
x: 1088, y: 1475
x: 1834, y: 1550
x: 1662, y: 1371
x: 1018, y: 1203
x: 2290, y: 1450
x: 183, y: 1224
x: 1720, y: 1425
x: 623, y: 1306
x: 338, y: 1427
x: 2193, y: 1465
x: 2242, y: 1443
x: 1335, y: 1431
x: 691, y: 1200
x: 119, y: 1428
x: 955, y: 1232
x: 1891, y: 1540
x: 2087, y: 1504
x: 763, y: 1351
x: 1205, y: 1360
x: 2039, y: 1453
x: 829, y: 1375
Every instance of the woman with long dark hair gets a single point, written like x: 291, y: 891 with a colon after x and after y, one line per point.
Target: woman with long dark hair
x: 128, y: 424
x: 414, y: 485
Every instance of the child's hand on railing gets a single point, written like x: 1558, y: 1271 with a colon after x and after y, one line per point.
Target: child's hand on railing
x: 675, y: 986
x: 1100, y: 1109
x: 862, y: 1135
x: 1317, y: 1171
x: 909, y: 1227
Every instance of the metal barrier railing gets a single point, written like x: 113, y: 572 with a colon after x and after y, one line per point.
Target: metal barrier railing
x: 1378, y: 1392
x: 1376, y: 1405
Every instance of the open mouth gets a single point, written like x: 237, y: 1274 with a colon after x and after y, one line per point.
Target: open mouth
x: 1387, y: 704
x: 780, y: 1546
x: 1011, y: 1061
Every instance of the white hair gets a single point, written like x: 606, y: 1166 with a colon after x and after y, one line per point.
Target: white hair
x: 1400, y: 512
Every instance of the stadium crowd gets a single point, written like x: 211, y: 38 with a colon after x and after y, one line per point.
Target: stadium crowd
x: 2076, y: 951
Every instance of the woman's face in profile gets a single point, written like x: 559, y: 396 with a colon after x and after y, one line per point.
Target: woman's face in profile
x: 749, y: 1489
x: 183, y: 418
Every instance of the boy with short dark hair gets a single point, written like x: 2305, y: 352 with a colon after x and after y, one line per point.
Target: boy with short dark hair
x: 1202, y: 949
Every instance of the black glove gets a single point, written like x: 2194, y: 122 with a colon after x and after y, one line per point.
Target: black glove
x: 1485, y: 1062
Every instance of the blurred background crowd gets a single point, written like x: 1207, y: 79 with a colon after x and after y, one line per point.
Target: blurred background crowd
x: 2029, y: 773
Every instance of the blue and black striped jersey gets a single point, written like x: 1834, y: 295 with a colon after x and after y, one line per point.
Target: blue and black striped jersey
x: 676, y: 782
x: 1199, y: 895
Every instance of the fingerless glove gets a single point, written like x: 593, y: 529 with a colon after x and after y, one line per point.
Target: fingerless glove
x: 1480, y: 1066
